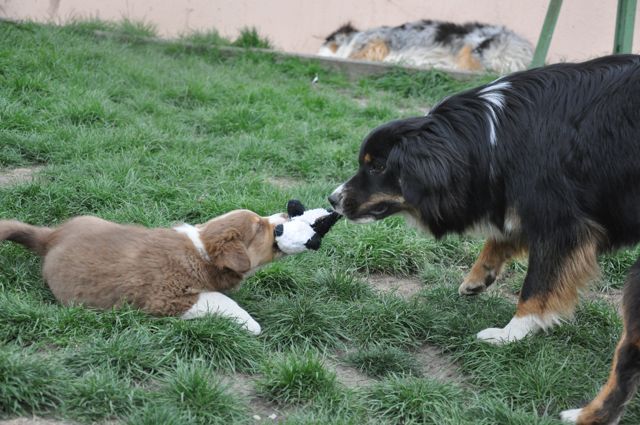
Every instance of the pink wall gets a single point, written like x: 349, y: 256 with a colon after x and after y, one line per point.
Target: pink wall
x: 585, y: 27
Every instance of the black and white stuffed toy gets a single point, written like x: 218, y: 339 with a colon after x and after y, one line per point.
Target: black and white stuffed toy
x: 305, y: 228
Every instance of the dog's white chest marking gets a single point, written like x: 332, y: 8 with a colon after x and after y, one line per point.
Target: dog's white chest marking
x: 486, y: 229
x: 218, y: 303
x: 194, y: 234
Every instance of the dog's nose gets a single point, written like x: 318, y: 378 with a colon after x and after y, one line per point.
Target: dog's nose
x: 334, y: 199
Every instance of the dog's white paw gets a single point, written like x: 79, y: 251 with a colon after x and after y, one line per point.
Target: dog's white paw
x: 241, y: 316
x: 570, y: 416
x: 218, y: 303
x: 494, y: 336
x: 252, y: 326
x: 516, y: 329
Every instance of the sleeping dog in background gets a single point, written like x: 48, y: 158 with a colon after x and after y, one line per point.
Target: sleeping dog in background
x: 426, y: 43
x: 545, y: 162
x: 164, y: 272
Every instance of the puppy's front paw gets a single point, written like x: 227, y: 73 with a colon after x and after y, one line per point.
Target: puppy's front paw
x: 252, y: 326
x: 516, y: 329
x: 570, y: 416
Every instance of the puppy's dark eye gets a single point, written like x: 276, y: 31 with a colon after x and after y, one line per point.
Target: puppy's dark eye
x: 377, y: 167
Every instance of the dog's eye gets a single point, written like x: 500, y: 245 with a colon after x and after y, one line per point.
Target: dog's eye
x: 376, y: 167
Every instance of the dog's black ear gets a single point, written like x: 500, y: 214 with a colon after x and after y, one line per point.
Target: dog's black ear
x: 434, y: 178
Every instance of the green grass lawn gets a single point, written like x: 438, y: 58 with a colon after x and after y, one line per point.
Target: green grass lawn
x: 155, y: 134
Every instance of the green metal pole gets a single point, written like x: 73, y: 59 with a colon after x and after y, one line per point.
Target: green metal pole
x: 547, y: 33
x: 625, y: 20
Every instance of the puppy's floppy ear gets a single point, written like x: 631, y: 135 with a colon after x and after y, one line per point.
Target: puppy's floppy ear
x: 227, y: 251
x: 433, y: 177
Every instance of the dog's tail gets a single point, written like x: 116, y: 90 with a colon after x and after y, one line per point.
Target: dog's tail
x: 33, y: 237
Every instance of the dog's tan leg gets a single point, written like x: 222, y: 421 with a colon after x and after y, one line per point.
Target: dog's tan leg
x: 218, y: 303
x: 608, y: 406
x: 489, y: 265
x: 550, y: 289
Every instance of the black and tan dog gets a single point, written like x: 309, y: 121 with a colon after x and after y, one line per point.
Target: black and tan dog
x: 544, y: 162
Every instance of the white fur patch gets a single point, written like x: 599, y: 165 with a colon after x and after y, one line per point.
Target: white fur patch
x: 516, y: 329
x: 484, y: 228
x: 414, y: 222
x: 511, y: 224
x: 194, y: 234
x: 218, y: 303
x: 276, y: 219
x: 570, y: 416
x: 492, y: 94
x: 338, y: 191
x: 364, y: 220
x: 339, y: 188
x: 495, y: 102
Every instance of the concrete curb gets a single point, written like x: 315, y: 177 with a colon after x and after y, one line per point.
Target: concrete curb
x: 352, y: 68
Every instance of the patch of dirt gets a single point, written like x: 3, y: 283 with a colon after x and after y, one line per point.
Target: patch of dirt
x: 362, y: 101
x: 437, y: 365
x: 17, y: 175
x: 505, y: 291
x: 405, y: 287
x: 283, y: 182
x: 349, y: 376
x: 33, y: 421
x: 613, y: 297
x: 430, y: 360
x: 260, y: 409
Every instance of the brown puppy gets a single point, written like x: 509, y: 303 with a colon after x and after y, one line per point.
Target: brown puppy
x: 164, y: 272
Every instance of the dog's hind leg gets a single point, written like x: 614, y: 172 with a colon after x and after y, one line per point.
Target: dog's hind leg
x: 218, y: 303
x: 494, y: 255
x: 558, y: 267
x: 609, y: 404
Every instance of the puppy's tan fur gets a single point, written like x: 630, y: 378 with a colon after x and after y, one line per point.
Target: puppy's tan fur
x: 102, y: 264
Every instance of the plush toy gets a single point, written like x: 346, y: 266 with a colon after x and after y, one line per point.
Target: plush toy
x: 305, y: 228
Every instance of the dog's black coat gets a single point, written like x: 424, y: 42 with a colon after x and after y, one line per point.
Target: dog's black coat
x: 567, y: 149
x: 557, y: 146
